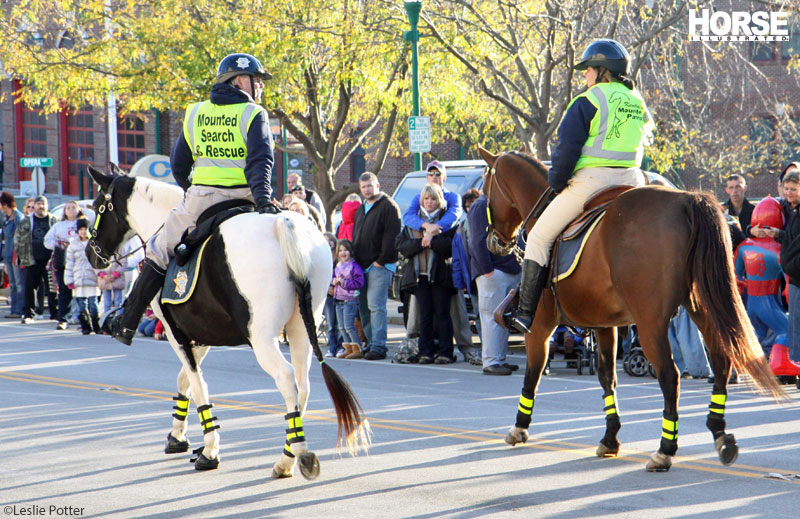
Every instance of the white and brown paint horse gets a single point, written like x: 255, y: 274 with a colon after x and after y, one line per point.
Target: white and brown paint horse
x: 259, y: 274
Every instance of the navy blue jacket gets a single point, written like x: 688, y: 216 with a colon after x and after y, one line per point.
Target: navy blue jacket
x: 260, y: 158
x: 482, y: 261
x: 572, y: 135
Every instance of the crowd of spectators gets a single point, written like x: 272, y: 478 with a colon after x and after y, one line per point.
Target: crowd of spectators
x: 438, y: 254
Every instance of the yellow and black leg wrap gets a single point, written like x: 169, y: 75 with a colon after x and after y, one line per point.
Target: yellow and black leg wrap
x: 181, y: 407
x: 294, y: 434
x: 613, y: 424
x: 524, y: 410
x: 206, y: 420
x: 669, y: 434
x: 716, y: 414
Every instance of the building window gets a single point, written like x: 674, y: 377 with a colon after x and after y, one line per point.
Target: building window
x: 80, y: 149
x: 762, y: 50
x: 130, y: 140
x: 792, y: 46
x: 34, y: 133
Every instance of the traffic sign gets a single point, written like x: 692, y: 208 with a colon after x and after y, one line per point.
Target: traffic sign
x: 35, y: 162
x: 419, y: 134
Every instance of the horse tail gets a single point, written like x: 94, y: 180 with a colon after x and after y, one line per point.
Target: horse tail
x: 354, y: 430
x: 713, y: 283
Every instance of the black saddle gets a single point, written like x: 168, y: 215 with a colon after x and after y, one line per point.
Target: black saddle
x: 207, y: 223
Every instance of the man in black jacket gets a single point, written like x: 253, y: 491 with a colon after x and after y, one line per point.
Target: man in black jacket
x: 790, y: 262
x: 376, y: 225
x: 737, y: 205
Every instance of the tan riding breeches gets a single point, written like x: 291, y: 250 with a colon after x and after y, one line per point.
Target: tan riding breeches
x: 197, y: 199
x: 569, y: 204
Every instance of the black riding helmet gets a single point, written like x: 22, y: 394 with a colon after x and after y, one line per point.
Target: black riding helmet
x: 240, y: 63
x: 606, y: 53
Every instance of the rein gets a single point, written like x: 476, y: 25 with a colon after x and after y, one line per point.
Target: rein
x: 512, y: 244
x: 107, y: 206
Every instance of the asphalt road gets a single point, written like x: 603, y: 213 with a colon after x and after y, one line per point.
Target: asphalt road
x: 84, y: 421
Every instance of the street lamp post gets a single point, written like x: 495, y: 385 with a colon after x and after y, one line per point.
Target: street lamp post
x: 413, y: 7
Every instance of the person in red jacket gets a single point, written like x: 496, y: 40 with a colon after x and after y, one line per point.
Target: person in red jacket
x: 349, y: 208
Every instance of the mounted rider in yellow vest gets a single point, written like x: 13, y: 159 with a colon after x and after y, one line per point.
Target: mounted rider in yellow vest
x: 601, y: 142
x: 224, y: 153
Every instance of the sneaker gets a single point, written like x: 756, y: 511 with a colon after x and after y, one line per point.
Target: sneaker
x: 341, y: 353
x: 441, y: 359
x: 425, y: 360
x: 13, y: 316
x: 61, y: 325
x: 26, y: 320
x: 512, y: 367
x: 329, y: 354
x: 374, y: 355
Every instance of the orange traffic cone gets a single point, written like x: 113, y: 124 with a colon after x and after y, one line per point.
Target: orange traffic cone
x: 779, y: 362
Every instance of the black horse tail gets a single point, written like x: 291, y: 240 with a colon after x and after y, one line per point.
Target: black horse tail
x: 354, y: 430
x: 712, y: 281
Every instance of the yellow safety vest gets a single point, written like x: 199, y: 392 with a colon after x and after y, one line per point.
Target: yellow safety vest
x: 217, y: 136
x: 620, y: 128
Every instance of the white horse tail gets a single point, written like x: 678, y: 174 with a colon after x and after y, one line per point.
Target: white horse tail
x: 354, y: 429
x: 296, y: 252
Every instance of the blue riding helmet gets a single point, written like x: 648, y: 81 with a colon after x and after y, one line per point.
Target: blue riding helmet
x: 606, y: 53
x: 240, y: 63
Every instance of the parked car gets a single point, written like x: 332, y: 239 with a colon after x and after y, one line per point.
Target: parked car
x: 85, y: 205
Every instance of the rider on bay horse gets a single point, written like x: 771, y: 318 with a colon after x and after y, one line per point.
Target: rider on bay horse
x: 226, y: 145
x: 601, y: 142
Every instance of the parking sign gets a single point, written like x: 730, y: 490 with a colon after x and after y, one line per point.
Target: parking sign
x: 419, y: 134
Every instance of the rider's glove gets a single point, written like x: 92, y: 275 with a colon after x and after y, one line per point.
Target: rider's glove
x: 265, y: 205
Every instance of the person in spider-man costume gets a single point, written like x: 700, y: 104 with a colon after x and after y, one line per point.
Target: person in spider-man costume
x: 757, y: 262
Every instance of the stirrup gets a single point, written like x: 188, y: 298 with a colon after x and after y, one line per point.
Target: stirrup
x: 518, y: 321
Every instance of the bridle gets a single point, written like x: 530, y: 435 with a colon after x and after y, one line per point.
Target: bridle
x: 107, y: 207
x: 495, y: 238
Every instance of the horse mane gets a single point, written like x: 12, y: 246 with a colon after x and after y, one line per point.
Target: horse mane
x: 158, y: 193
x: 533, y: 161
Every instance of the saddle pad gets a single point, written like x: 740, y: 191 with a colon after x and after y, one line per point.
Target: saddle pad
x: 180, y: 280
x: 568, y: 253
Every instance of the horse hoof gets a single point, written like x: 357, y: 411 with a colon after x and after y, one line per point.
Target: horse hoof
x: 727, y: 449
x: 659, y: 462
x: 309, y: 465
x: 204, y: 463
x: 280, y: 475
x: 174, y: 446
x: 603, y: 451
x: 516, y: 435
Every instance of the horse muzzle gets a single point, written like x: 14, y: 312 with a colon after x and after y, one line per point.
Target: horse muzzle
x: 497, y: 246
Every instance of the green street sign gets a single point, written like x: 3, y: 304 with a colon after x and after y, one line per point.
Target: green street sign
x: 35, y: 162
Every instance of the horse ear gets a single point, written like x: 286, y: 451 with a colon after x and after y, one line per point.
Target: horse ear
x: 488, y: 157
x: 114, y: 169
x: 100, y: 178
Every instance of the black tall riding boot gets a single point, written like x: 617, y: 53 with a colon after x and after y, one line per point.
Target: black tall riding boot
x: 147, y: 285
x: 534, y: 278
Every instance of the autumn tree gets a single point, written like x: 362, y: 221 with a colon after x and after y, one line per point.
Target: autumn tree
x: 339, y: 66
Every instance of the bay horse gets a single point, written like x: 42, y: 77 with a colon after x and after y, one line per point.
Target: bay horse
x: 656, y: 248
x: 258, y: 274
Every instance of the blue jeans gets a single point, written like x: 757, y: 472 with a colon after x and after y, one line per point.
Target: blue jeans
x: 111, y: 299
x: 346, y: 313
x: 147, y: 327
x: 794, y: 323
x: 372, y: 307
x: 334, y: 340
x: 16, y: 284
x: 688, y: 351
x: 87, y: 303
x: 491, y: 292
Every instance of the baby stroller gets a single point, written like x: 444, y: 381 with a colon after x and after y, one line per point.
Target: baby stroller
x: 577, y: 347
x: 634, y: 362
